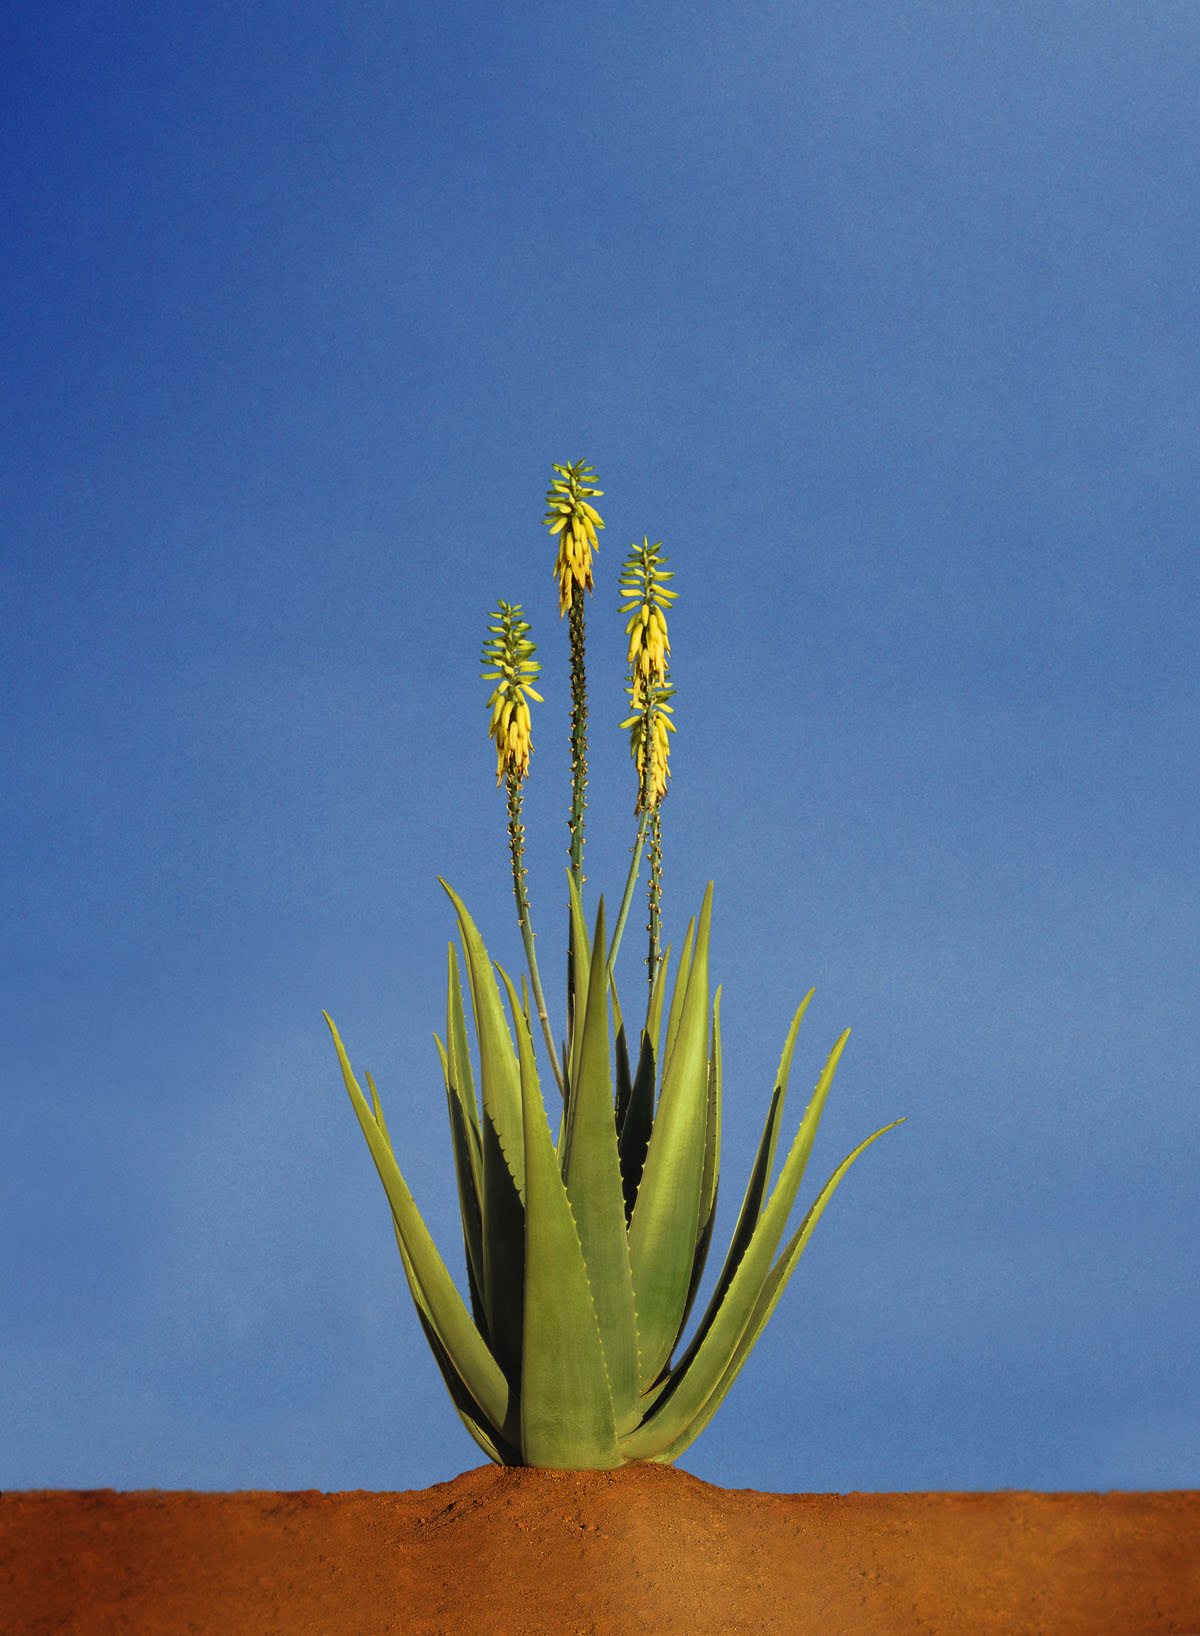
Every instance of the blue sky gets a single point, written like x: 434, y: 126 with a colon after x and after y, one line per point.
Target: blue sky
x: 883, y: 317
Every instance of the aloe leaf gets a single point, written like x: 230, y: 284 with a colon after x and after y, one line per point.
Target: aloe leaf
x: 712, y: 1162
x: 469, y: 1113
x: 657, y: 991
x: 477, y: 1308
x: 665, y: 1222
x: 566, y: 1410
x: 457, y: 1048
x: 502, y: 1143
x: 768, y: 1299
x: 471, y: 1234
x: 712, y: 1126
x: 593, y: 1182
x: 465, y: 1347
x: 490, y: 1438
x: 756, y: 1187
x: 459, y: 1080
x: 677, y: 998
x: 581, y: 971
x: 623, y: 1077
x: 498, y: 1073
x: 700, y: 1369
x: 635, y: 1119
x: 503, y: 1253
x: 467, y: 1170
x: 614, y: 997
x: 636, y: 1127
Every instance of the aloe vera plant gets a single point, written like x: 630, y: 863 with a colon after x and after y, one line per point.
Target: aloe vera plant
x: 585, y: 1249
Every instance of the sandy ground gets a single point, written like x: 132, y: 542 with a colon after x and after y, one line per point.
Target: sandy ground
x: 639, y: 1552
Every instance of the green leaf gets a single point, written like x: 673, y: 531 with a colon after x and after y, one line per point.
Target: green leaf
x: 464, y: 1132
x: 502, y: 1144
x: 772, y: 1289
x: 658, y: 990
x: 712, y: 1126
x: 458, y: 1050
x: 433, y: 1289
x: 498, y: 1072
x: 567, y: 1417
x: 624, y: 1080
x: 503, y: 1252
x: 490, y: 1439
x: 618, y: 1020
x: 703, y: 1365
x: 593, y: 1181
x: 712, y: 1162
x: 756, y: 1187
x: 636, y: 1126
x: 467, y: 1174
x: 665, y: 1223
x: 580, y: 971
x: 637, y: 1117
x: 678, y: 997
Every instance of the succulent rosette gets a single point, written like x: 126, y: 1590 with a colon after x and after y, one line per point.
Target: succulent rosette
x: 585, y: 1239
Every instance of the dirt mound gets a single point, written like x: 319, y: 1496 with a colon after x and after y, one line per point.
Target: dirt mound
x: 644, y: 1551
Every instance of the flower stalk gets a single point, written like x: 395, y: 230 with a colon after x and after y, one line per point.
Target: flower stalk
x: 647, y: 600
x: 576, y: 523
x: 578, y: 636
x: 510, y: 654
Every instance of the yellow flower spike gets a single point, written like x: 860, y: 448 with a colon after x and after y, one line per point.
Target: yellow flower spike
x: 576, y: 523
x: 646, y: 600
x: 509, y: 654
x: 655, y: 694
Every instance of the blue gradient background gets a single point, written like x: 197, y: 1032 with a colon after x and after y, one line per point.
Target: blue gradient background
x: 885, y: 318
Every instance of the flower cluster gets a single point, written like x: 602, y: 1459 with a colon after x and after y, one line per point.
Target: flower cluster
x: 509, y: 653
x: 646, y: 601
x: 651, y: 724
x: 576, y: 524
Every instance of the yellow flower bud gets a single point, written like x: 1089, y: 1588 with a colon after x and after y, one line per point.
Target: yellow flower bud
x: 509, y: 653
x: 575, y: 522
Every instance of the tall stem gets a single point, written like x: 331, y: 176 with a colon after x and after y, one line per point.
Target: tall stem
x: 630, y: 883
x: 578, y: 736
x: 651, y: 809
x: 655, y: 890
x: 516, y: 847
x: 578, y: 780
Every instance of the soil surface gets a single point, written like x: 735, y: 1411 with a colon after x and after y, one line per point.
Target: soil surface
x: 644, y: 1551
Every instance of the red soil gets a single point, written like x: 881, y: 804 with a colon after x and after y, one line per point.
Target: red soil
x: 644, y: 1551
